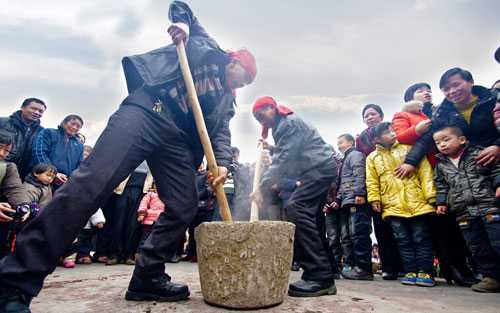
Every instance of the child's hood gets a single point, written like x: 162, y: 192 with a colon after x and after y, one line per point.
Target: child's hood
x: 413, y: 106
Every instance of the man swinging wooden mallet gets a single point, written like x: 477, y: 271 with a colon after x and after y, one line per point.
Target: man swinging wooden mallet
x: 154, y: 123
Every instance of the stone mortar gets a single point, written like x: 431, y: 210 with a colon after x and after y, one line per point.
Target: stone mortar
x: 244, y: 265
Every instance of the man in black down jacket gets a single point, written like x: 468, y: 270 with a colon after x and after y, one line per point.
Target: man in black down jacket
x: 466, y: 106
x: 154, y: 123
x: 301, y: 153
x: 24, y: 126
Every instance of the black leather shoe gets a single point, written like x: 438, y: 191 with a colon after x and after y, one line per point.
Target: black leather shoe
x: 175, y: 259
x: 14, y: 301
x: 309, y: 288
x: 357, y: 273
x: 389, y: 276
x: 159, y: 288
x: 295, y: 266
x: 462, y: 277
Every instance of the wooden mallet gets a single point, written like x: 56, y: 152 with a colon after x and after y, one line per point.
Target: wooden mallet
x: 202, y: 131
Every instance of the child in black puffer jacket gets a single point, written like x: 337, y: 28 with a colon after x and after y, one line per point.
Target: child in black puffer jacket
x: 470, y: 192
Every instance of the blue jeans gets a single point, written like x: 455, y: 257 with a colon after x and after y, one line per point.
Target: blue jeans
x: 338, y: 233
x: 414, y: 241
x: 482, y: 235
x: 361, y: 228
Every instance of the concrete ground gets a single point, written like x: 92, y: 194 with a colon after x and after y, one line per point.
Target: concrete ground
x: 99, y: 288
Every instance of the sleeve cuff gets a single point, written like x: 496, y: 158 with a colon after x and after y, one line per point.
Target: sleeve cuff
x: 441, y: 200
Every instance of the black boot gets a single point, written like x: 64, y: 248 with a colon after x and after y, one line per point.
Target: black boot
x: 389, y: 276
x: 14, y: 301
x: 462, y: 276
x: 155, y: 288
x: 446, y: 273
x: 357, y: 273
x: 309, y: 288
x: 176, y: 258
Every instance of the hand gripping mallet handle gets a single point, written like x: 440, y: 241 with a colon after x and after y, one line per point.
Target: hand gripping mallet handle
x: 202, y: 131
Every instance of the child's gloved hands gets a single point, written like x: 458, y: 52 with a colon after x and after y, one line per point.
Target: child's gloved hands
x: 359, y: 200
x: 441, y: 209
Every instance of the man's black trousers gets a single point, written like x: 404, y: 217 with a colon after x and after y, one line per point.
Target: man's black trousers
x: 133, y: 134
x: 305, y: 211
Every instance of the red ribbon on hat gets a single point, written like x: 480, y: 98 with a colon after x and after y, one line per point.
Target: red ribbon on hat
x: 246, y: 59
x: 263, y: 102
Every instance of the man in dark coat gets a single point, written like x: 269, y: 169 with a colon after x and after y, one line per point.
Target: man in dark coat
x: 24, y: 125
x: 154, y: 123
x: 301, y: 152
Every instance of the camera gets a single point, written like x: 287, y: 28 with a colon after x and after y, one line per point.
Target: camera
x: 21, y: 210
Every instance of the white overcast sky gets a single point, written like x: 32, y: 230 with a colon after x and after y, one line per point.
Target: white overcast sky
x: 325, y: 59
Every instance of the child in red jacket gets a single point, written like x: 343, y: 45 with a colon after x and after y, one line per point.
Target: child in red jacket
x: 149, y: 211
x: 411, y: 124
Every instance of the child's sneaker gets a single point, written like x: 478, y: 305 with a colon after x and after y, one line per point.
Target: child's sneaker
x: 69, y: 263
x: 84, y: 260
x: 101, y: 259
x: 425, y: 280
x: 112, y: 261
x: 409, y: 279
x: 346, y: 268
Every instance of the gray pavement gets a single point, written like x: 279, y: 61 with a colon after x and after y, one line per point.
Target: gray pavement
x: 99, y: 288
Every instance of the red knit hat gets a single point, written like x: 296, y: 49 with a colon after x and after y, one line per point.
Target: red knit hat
x: 263, y: 102
x: 246, y: 59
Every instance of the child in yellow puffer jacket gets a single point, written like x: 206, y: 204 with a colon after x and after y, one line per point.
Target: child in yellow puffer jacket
x: 405, y: 203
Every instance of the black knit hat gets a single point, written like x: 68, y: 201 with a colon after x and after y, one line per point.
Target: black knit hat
x: 411, y: 90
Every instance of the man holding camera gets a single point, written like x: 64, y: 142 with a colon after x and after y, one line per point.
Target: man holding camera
x: 11, y: 189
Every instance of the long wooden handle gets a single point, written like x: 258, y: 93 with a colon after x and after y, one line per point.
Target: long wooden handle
x: 202, y: 131
x: 254, y: 209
